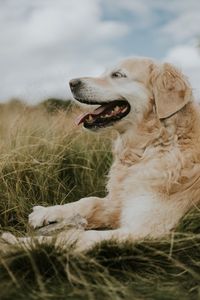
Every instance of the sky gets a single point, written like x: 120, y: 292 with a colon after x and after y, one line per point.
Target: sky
x: 45, y: 43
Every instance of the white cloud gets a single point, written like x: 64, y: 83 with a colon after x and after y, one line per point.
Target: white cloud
x: 181, y: 29
x: 44, y: 43
x: 183, y: 16
x: 184, y: 26
x: 185, y: 56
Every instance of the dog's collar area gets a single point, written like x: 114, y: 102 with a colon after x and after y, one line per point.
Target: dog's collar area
x: 105, y: 115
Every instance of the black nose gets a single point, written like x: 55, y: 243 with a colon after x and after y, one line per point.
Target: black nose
x: 75, y: 83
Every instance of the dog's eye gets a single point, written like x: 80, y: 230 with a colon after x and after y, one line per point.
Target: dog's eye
x: 118, y: 75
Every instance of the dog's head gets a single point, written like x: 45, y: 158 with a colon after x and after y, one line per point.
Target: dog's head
x: 126, y: 92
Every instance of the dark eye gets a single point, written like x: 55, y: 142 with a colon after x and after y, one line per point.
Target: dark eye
x: 118, y: 75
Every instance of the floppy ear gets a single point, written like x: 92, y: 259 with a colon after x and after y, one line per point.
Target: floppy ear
x: 170, y: 88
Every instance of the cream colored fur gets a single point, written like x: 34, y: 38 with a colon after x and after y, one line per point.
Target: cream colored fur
x: 155, y: 176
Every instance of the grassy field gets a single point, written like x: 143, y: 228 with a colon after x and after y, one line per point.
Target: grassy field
x: 45, y: 159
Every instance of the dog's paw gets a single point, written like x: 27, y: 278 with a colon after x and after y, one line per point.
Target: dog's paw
x: 42, y: 216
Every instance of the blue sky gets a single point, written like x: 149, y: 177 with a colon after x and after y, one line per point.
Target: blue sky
x: 142, y: 40
x: 44, y: 43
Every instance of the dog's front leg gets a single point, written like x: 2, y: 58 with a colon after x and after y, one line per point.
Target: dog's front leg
x: 80, y: 240
x: 88, y: 239
x: 7, y: 240
x: 64, y: 239
x: 98, y: 212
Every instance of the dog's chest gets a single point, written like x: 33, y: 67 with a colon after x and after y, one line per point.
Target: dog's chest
x: 149, y: 173
x: 137, y: 188
x: 133, y: 180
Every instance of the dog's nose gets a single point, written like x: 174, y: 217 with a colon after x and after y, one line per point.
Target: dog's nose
x: 74, y: 83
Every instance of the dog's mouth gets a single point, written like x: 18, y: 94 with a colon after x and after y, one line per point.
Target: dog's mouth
x: 105, y: 115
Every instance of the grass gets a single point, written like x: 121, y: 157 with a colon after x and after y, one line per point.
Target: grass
x: 45, y: 159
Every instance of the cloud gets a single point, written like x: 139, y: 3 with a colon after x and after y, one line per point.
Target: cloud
x: 180, y: 24
x: 185, y: 56
x: 44, y: 43
x: 175, y: 27
x: 184, y: 27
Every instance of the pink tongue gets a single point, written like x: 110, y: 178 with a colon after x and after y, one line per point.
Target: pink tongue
x: 80, y: 119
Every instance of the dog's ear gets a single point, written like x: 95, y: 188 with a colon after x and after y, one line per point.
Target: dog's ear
x: 171, y: 89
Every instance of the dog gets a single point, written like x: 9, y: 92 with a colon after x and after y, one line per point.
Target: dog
x: 155, y: 176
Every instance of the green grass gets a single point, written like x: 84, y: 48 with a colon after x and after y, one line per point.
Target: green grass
x: 45, y: 160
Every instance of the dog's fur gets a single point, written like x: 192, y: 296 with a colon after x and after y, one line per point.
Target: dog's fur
x: 155, y: 176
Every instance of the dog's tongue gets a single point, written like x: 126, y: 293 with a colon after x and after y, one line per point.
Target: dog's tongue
x: 86, y: 115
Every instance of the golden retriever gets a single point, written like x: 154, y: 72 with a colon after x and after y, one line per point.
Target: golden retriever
x: 155, y: 177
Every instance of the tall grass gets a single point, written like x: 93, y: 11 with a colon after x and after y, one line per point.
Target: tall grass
x: 45, y: 159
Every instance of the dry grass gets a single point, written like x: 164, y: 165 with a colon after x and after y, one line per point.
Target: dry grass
x: 45, y: 159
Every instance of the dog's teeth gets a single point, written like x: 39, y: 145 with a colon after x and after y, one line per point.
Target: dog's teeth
x: 123, y: 110
x: 117, y: 108
x: 90, y: 119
